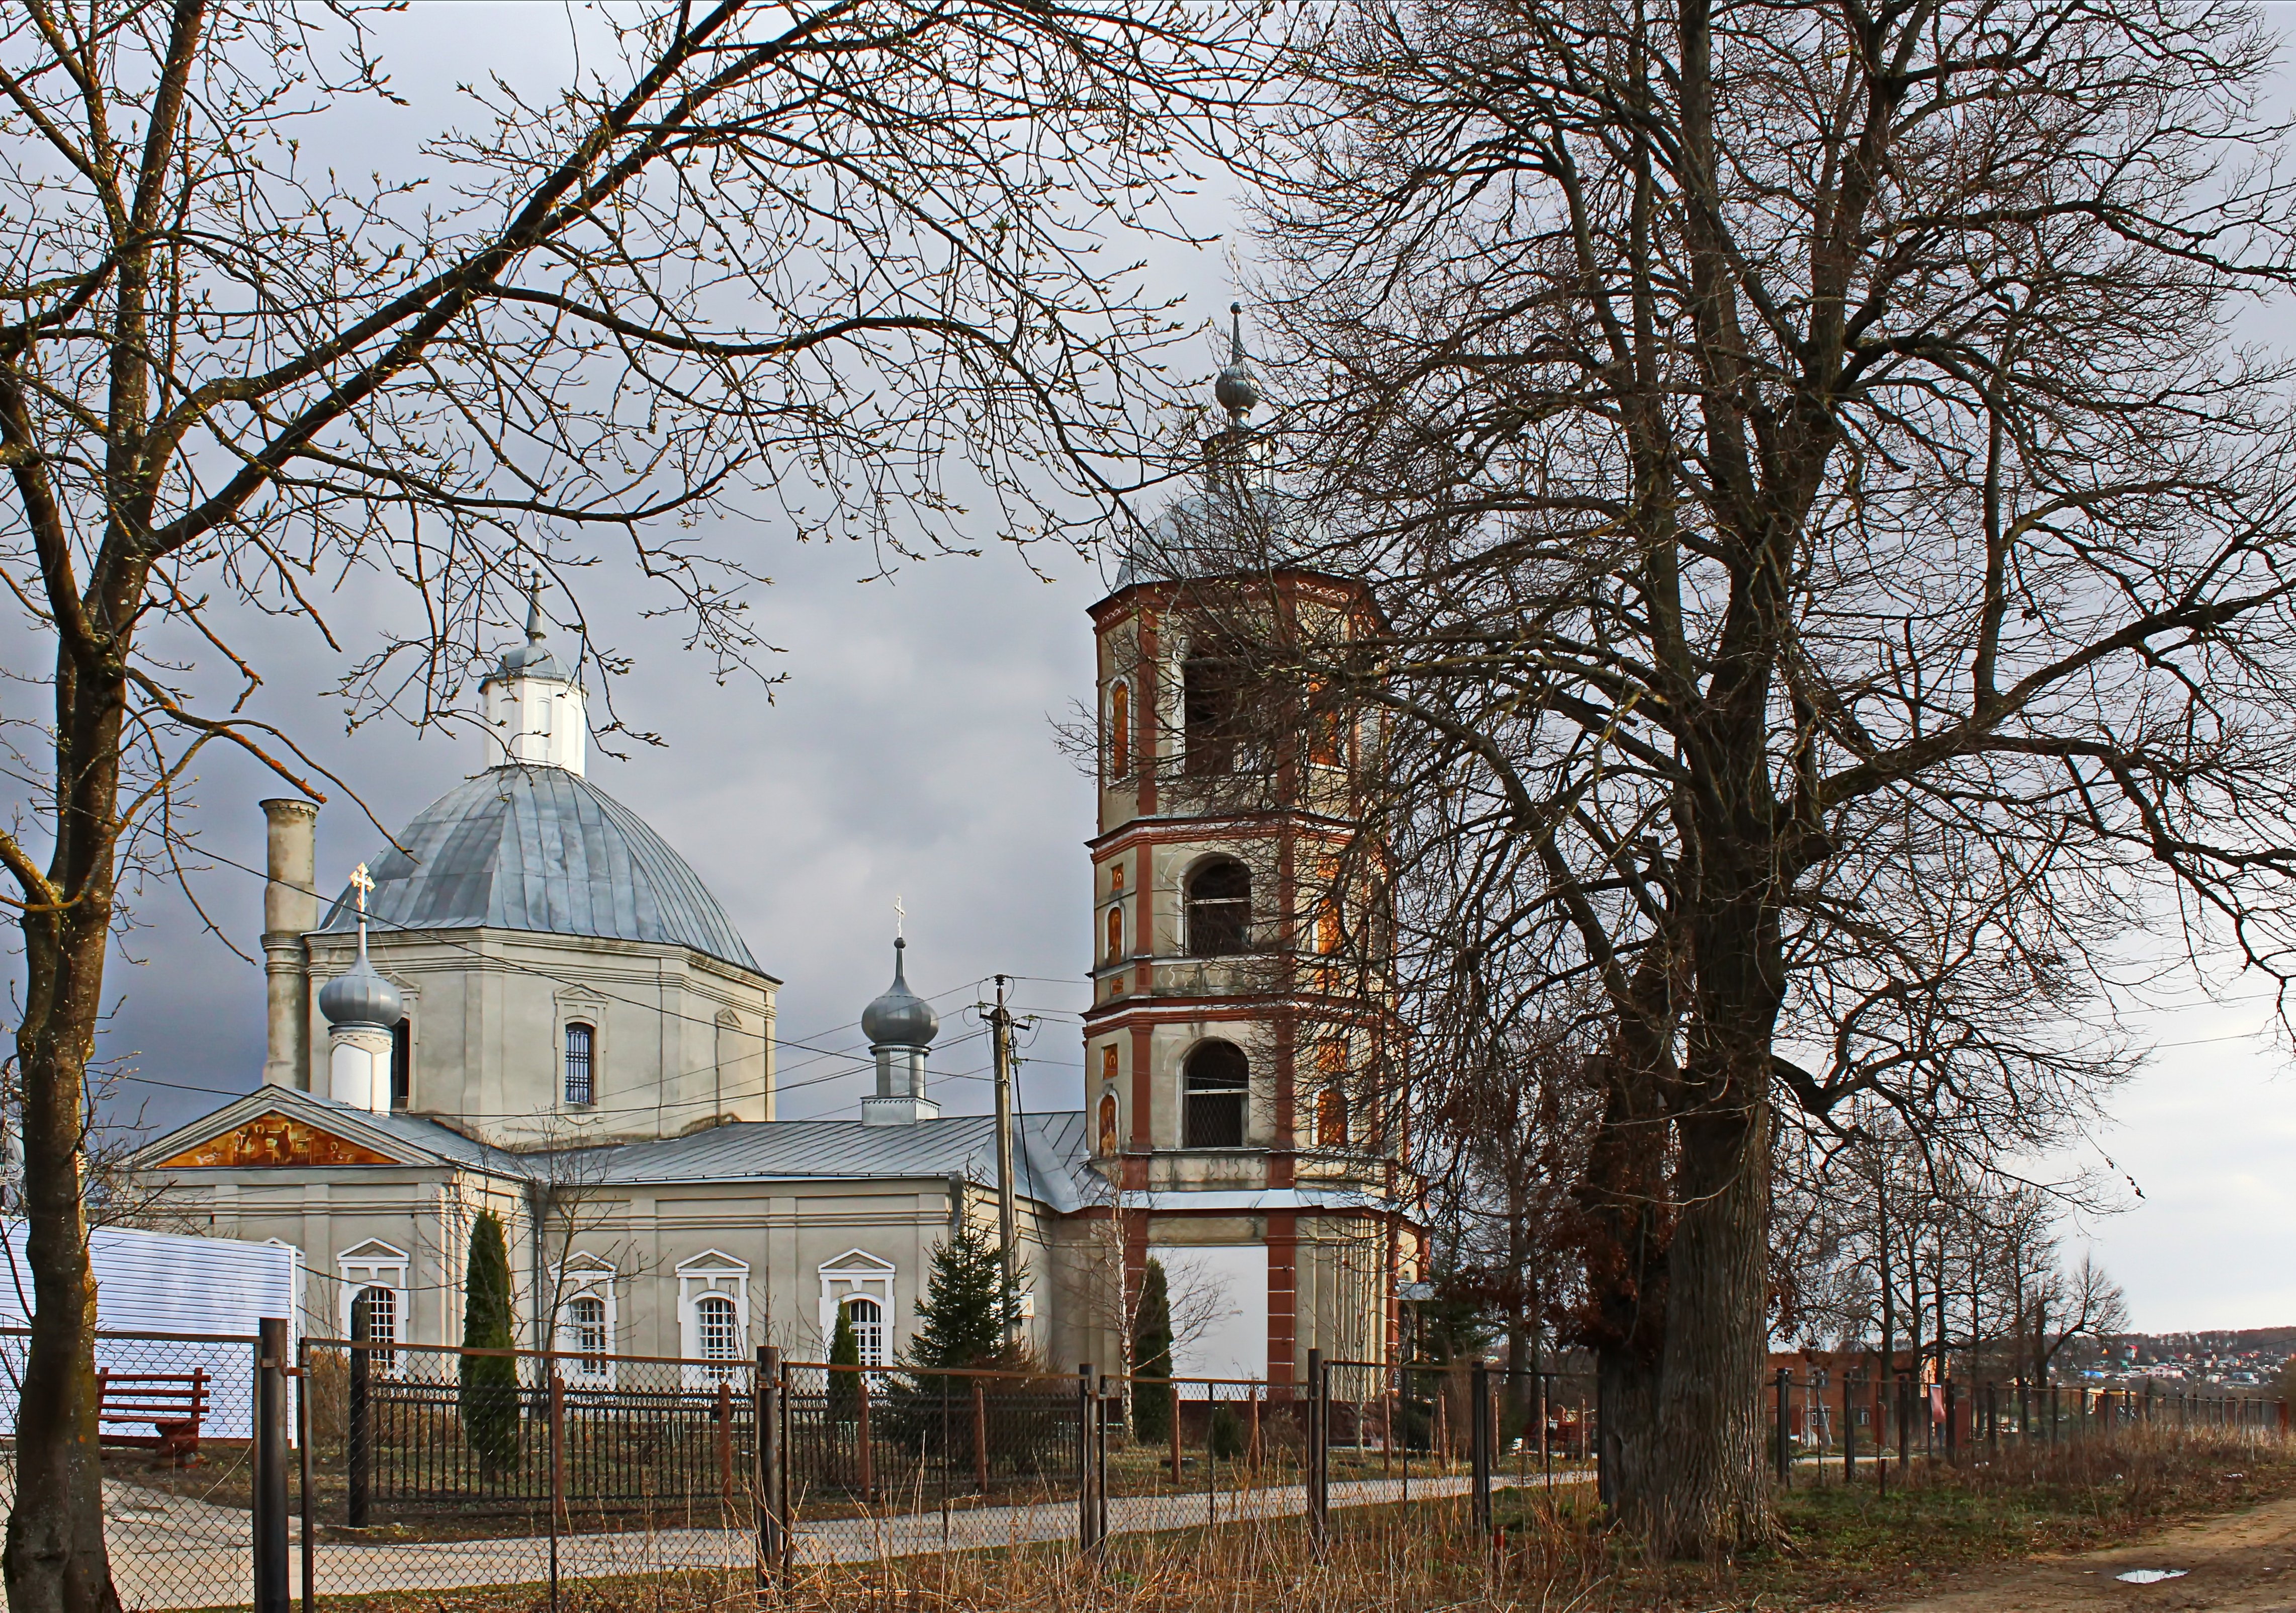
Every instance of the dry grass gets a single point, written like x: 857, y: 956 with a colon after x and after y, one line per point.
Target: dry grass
x: 1835, y: 1547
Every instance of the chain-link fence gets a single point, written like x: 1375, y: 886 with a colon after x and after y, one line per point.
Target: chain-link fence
x: 178, y: 1416
x: 1851, y: 1427
x: 238, y: 1472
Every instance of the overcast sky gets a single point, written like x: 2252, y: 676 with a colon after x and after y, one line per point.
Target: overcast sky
x: 911, y: 751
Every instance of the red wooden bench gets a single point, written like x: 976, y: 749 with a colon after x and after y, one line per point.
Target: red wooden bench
x: 173, y: 1404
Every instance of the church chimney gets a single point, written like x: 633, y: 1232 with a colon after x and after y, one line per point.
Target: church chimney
x: 290, y: 910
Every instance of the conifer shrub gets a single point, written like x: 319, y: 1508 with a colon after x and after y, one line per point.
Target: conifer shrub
x: 489, y: 1383
x: 1151, y: 1357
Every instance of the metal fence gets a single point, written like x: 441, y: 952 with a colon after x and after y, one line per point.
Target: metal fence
x: 238, y: 1472
x: 1835, y: 1427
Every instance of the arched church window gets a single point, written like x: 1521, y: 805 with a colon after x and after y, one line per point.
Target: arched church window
x: 1326, y: 730
x: 868, y: 1319
x: 1210, y: 710
x: 1115, y: 934
x: 716, y: 1328
x: 402, y: 1062
x: 381, y: 1308
x: 1220, y: 908
x: 1119, y: 731
x: 1217, y: 1084
x: 1332, y: 1092
x: 1107, y: 1122
x: 580, y: 1039
x: 586, y: 1315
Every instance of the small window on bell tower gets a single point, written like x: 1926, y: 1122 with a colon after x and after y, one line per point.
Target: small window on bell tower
x: 1220, y: 908
x: 1218, y: 1086
x: 1119, y: 731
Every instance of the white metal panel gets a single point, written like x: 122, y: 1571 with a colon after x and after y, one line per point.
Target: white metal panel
x: 162, y: 1282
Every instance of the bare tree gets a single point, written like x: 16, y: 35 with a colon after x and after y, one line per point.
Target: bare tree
x: 1822, y: 529
x: 820, y: 261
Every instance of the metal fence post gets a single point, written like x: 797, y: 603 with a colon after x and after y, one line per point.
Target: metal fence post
x: 358, y: 1437
x: 557, y: 1419
x: 1319, y: 1449
x: 270, y: 1508
x: 1087, y: 1514
x: 1905, y: 1422
x: 766, y: 1398
x: 305, y: 1502
x: 1479, y: 1443
x: 1100, y: 1420
x: 1848, y: 1433
x: 1785, y: 1472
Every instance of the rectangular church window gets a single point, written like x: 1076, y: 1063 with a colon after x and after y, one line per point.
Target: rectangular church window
x: 1218, y: 1085
x: 402, y: 1062
x: 579, y: 1042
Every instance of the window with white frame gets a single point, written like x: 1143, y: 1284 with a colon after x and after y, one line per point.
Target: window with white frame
x: 585, y: 1322
x: 375, y: 1272
x: 713, y: 1305
x: 581, y: 1040
x: 584, y: 1331
x: 868, y: 1319
x: 847, y: 1282
x: 718, y: 1331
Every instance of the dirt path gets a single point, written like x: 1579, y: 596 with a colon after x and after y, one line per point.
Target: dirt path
x: 2243, y: 1563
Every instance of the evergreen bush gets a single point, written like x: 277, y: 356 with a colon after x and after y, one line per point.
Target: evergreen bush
x: 489, y: 1383
x: 1151, y: 1357
x: 844, y: 1387
x: 1227, y: 1437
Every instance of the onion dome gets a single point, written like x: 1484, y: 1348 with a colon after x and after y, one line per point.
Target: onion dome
x: 362, y: 997
x: 900, y: 1017
x: 1234, y: 389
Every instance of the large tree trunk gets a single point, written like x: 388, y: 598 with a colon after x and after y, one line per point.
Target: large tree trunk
x: 1708, y: 1500
x: 56, y: 1560
x: 1622, y: 1204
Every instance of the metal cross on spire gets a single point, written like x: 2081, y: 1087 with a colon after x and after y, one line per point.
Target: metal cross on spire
x: 362, y: 882
x: 900, y: 919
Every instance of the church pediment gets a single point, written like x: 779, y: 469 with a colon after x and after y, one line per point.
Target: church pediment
x: 274, y: 1139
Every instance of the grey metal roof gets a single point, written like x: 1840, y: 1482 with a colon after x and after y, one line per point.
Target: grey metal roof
x: 539, y: 848
x: 1047, y: 1163
x: 1051, y: 1160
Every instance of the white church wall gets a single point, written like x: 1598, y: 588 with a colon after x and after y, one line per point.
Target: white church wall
x: 678, y: 1038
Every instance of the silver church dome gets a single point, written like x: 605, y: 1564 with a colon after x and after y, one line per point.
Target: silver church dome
x: 900, y: 1017
x: 361, y: 997
x: 539, y: 848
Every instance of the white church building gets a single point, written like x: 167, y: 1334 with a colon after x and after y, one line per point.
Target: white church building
x: 533, y: 1005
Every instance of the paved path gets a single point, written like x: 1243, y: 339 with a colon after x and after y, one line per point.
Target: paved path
x: 173, y: 1552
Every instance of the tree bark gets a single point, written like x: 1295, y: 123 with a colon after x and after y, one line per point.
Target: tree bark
x: 56, y: 1560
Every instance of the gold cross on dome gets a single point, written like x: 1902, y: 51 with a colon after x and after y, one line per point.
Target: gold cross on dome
x: 362, y: 882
